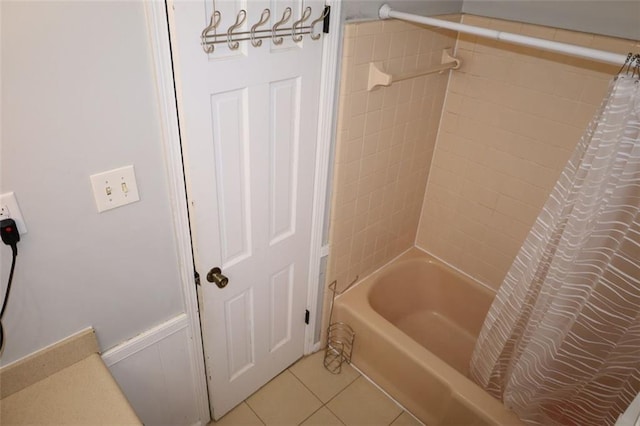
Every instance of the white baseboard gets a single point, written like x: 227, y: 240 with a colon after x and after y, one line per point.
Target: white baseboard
x: 155, y: 372
x: 144, y: 340
x: 158, y: 15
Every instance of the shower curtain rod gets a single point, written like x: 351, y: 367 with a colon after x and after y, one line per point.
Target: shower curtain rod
x: 570, y: 49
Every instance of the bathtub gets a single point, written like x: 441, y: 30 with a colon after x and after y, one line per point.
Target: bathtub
x: 416, y: 323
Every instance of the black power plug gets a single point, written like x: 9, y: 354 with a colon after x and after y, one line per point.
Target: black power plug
x: 9, y: 232
x: 10, y: 236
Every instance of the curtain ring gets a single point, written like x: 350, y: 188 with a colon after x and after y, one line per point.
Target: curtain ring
x: 285, y: 17
x: 305, y: 16
x: 630, y: 67
x: 213, y: 24
x: 263, y: 19
x: 625, y: 62
x: 324, y: 14
x: 242, y: 15
x: 636, y: 68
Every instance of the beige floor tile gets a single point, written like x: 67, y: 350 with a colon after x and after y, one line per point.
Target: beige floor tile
x: 323, y: 417
x: 241, y: 415
x: 283, y: 401
x: 362, y: 404
x: 406, y: 419
x: 310, y: 370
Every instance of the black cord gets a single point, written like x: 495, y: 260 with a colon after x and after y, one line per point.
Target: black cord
x: 14, y: 250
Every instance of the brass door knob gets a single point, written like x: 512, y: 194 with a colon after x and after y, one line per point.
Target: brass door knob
x: 215, y: 276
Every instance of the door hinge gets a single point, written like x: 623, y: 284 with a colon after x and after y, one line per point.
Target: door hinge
x: 306, y: 316
x: 327, y: 17
x: 196, y: 277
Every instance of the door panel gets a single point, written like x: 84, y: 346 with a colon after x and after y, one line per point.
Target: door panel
x: 248, y: 121
x: 240, y: 333
x: 232, y: 165
x: 284, y: 144
x: 281, y: 312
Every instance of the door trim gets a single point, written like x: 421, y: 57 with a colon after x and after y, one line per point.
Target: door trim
x: 326, y: 127
x: 158, y: 27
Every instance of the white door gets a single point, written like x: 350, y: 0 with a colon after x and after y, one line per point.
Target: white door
x: 248, y: 121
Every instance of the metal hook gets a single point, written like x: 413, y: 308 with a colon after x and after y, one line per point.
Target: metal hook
x: 630, y: 68
x: 285, y: 17
x: 263, y: 19
x: 324, y: 14
x: 636, y: 69
x: 626, y: 62
x: 242, y: 15
x: 213, y: 24
x: 305, y: 16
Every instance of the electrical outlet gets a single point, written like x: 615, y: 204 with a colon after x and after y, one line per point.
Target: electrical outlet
x: 114, y: 188
x: 9, y: 209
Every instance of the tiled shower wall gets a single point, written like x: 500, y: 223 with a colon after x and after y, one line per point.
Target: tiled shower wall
x: 384, y: 145
x: 511, y: 118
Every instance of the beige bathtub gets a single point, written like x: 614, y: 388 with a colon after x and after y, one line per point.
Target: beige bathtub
x: 416, y: 322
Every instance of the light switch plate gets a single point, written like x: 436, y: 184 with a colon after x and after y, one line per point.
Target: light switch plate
x: 9, y: 209
x: 114, y: 188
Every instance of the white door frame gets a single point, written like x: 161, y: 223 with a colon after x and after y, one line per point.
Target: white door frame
x: 157, y: 23
x: 158, y: 27
x: 329, y: 78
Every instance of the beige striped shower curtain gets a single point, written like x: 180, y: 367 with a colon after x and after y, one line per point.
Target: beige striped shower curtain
x: 561, y: 342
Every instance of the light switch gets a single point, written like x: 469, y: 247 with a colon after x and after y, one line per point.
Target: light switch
x: 114, y: 188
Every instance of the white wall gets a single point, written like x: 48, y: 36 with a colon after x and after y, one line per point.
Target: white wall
x: 78, y: 97
x: 368, y: 9
x: 617, y: 18
x: 150, y: 370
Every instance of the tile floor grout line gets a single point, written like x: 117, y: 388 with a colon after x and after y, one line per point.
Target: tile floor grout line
x: 324, y: 404
x: 254, y: 412
x: 369, y: 380
x: 310, y: 415
x: 342, y: 390
x: 387, y: 394
x: 336, y: 416
x: 397, y: 417
x: 288, y: 369
x: 330, y: 399
x: 305, y: 386
x: 362, y: 376
x: 336, y: 395
x: 345, y: 385
x: 320, y: 408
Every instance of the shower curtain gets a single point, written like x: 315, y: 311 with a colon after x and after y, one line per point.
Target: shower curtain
x: 561, y: 342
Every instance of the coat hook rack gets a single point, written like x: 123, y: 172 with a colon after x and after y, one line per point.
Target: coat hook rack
x: 210, y: 35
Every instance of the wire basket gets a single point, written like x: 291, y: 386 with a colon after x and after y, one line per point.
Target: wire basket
x: 339, y: 346
x: 340, y: 337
